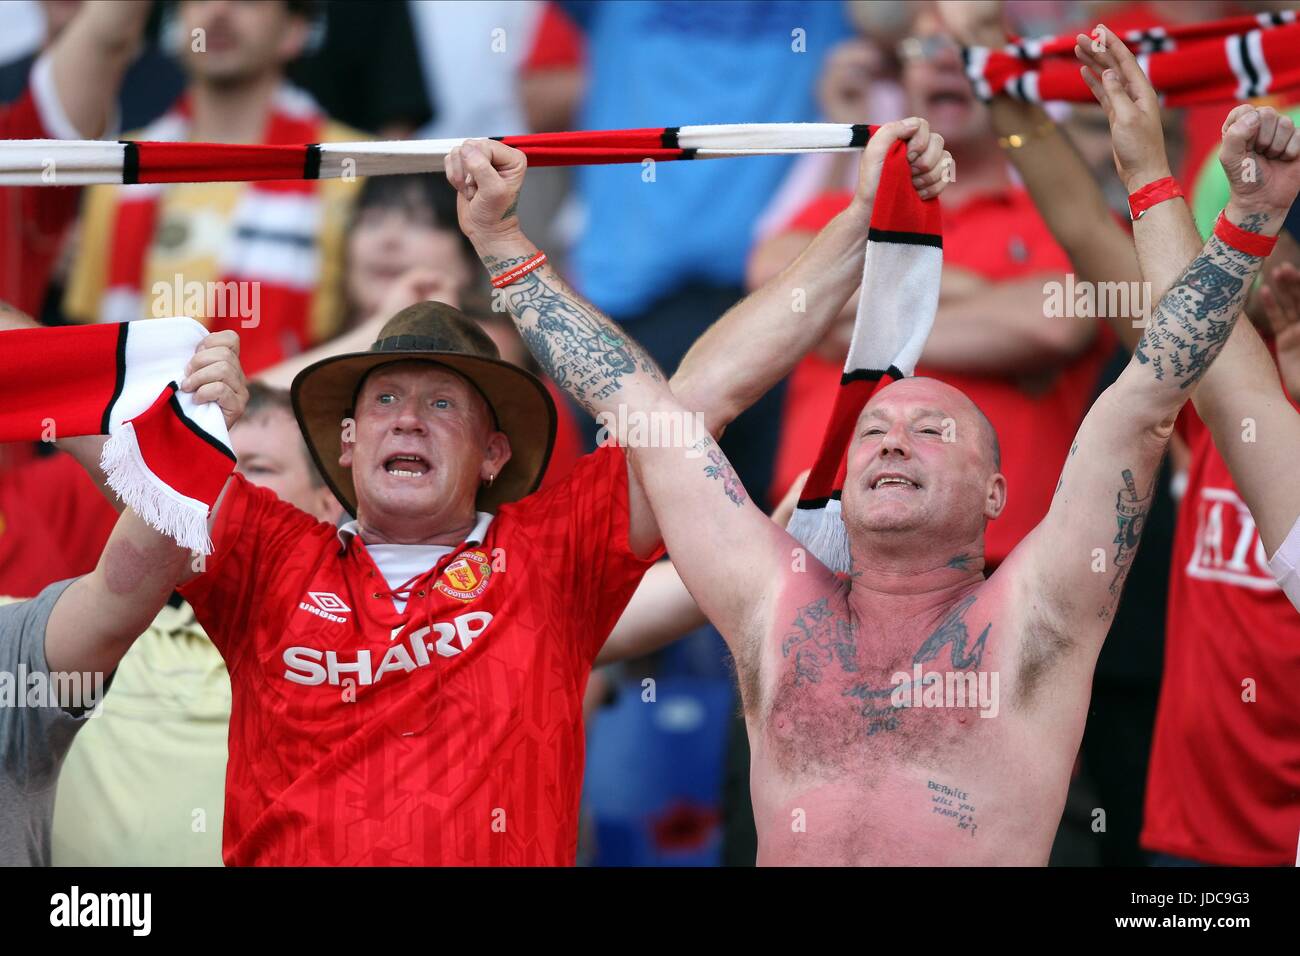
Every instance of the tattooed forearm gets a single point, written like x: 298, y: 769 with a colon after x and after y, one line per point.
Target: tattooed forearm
x: 720, y: 469
x: 1196, y: 316
x: 1130, y: 515
x: 582, y: 351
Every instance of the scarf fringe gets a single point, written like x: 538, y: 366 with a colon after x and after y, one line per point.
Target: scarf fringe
x: 822, y: 532
x: 159, y: 506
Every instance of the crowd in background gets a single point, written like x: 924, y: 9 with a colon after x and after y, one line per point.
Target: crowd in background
x: 665, y: 255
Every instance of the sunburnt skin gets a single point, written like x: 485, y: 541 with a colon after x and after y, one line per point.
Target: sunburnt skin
x: 840, y: 775
x: 836, y: 776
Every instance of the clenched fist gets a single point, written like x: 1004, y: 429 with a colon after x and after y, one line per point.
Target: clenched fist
x: 1259, y: 155
x: 487, y: 176
x: 931, y: 165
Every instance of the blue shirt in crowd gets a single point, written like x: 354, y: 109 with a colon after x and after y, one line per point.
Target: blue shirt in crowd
x: 652, y: 64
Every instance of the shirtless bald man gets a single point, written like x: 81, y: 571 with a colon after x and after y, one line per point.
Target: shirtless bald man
x: 840, y: 773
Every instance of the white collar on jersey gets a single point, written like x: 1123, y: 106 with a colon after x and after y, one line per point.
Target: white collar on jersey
x: 352, y: 529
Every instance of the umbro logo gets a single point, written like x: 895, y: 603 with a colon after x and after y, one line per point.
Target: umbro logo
x: 325, y: 604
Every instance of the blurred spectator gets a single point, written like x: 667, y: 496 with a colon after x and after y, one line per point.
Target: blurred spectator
x: 365, y: 71
x: 152, y: 81
x: 144, y: 784
x: 53, y: 523
x: 551, y: 79
x: 68, y: 93
x: 859, y: 83
x: 400, y: 223
x: 471, y: 55
x: 1225, y: 765
x: 1032, y: 375
x: 148, y: 250
x: 663, y: 249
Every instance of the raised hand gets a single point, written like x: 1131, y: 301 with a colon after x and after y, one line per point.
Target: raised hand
x: 215, y: 375
x: 932, y: 165
x: 1112, y: 73
x: 974, y: 22
x: 487, y: 176
x: 1279, y: 298
x: 1258, y: 155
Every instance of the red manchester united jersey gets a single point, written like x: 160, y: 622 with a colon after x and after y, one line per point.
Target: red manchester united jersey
x: 450, y: 733
x: 1224, y: 782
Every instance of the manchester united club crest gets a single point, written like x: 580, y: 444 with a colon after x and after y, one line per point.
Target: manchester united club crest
x: 467, y: 577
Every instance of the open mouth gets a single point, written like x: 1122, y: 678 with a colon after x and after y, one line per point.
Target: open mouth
x: 951, y: 98
x: 406, y: 466
x: 890, y: 481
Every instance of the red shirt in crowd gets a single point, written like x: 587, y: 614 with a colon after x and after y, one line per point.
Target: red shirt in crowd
x: 54, y: 523
x: 568, y: 440
x: 1000, y: 237
x: 1224, y: 781
x: 33, y: 221
x: 448, y: 734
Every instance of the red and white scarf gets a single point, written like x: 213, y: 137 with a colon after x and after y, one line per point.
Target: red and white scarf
x: 166, y: 457
x: 273, y: 239
x: 900, y: 287
x: 900, y: 293
x: 1234, y: 59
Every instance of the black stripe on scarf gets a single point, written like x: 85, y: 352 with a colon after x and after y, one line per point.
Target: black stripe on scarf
x: 812, y: 504
x: 905, y: 238
x: 1252, y: 74
x: 311, y: 165
x: 107, y: 418
x: 870, y: 375
x: 130, y: 162
x: 176, y: 407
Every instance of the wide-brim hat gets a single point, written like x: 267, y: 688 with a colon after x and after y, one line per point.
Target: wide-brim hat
x: 323, y: 395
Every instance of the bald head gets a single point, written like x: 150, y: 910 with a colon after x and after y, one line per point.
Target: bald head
x: 924, y: 463
x: 923, y: 396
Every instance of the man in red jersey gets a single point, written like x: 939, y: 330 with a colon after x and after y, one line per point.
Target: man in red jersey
x: 407, y: 688
x: 819, y: 655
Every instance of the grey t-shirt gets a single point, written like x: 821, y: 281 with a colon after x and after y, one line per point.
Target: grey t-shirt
x: 33, y: 739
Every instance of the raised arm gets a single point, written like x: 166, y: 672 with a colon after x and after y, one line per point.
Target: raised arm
x: 741, y: 357
x: 1255, y: 428
x: 1241, y: 399
x: 1078, y: 557
x: 761, y: 339
x: 1056, y: 176
x: 90, y: 57
x: 726, y: 550
x: 99, y: 615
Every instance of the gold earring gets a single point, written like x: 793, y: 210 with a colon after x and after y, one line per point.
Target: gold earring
x: 491, y: 478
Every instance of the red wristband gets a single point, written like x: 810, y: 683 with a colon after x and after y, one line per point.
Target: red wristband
x: 1157, y: 192
x: 519, y: 271
x: 1251, y: 243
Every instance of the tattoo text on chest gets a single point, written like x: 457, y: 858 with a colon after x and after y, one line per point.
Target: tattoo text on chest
x: 953, y: 804
x: 823, y: 638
